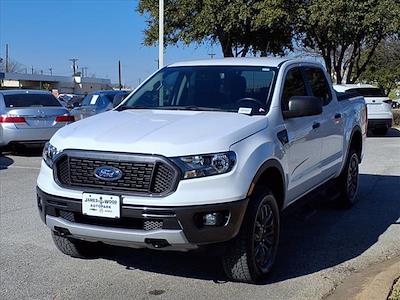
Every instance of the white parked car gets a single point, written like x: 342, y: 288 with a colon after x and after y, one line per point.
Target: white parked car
x: 203, y: 152
x: 379, y: 106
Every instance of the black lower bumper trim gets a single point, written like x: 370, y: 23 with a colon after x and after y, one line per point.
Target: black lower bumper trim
x: 188, y: 218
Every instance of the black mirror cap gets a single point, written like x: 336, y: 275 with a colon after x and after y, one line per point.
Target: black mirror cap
x: 302, y: 106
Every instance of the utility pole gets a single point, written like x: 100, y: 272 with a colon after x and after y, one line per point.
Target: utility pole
x: 161, y: 34
x: 84, y: 71
x: 119, y: 75
x: 6, y: 58
x: 51, y: 71
x: 74, y: 65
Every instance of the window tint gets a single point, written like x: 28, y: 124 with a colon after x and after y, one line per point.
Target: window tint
x: 294, y: 86
x: 30, y: 100
x: 318, y: 84
x: 367, y: 92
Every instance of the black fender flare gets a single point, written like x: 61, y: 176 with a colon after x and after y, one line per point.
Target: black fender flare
x: 271, y: 163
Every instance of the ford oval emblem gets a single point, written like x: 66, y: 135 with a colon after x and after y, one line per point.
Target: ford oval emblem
x: 108, y: 173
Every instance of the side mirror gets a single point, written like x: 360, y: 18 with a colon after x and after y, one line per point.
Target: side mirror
x: 302, y: 106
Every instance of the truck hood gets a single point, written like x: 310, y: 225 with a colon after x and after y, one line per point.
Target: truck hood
x: 168, y: 133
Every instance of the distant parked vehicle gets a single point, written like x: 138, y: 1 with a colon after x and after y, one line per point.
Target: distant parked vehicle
x: 379, y: 106
x: 96, y: 103
x: 71, y: 100
x: 30, y: 117
x: 396, y: 104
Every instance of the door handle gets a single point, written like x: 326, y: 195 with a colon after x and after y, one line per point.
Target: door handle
x: 338, y: 116
x: 316, y: 125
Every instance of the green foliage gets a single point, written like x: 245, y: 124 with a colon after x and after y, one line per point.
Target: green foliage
x: 341, y: 30
x: 240, y: 25
x: 384, y: 66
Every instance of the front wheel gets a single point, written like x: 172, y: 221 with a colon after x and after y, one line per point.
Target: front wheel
x: 251, y: 255
x: 73, y: 247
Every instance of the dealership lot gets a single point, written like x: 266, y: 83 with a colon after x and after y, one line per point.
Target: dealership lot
x: 317, y: 251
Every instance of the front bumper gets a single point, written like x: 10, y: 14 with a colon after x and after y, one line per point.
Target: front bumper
x: 177, y: 228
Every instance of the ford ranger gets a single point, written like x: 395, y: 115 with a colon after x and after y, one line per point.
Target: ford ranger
x: 203, y: 153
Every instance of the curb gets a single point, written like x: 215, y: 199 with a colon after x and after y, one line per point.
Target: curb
x: 372, y: 283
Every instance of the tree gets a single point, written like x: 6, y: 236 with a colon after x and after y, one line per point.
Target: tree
x: 239, y: 26
x: 384, y: 66
x: 342, y: 30
x: 13, y: 66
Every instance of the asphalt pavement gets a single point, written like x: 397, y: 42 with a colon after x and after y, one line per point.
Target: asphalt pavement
x: 317, y: 253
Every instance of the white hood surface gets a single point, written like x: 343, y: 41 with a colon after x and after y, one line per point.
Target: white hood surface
x: 169, y: 133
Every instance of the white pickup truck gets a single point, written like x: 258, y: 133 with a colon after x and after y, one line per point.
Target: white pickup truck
x: 203, y: 153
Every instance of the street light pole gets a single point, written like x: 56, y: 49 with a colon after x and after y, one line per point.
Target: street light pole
x: 161, y: 34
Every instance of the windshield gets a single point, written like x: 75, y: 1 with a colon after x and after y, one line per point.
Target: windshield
x: 225, y: 88
x: 30, y: 100
x: 367, y: 92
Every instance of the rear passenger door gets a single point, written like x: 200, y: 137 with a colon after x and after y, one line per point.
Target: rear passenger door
x: 304, y: 146
x: 331, y: 122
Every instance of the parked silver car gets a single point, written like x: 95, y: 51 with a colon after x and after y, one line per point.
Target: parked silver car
x: 30, y: 117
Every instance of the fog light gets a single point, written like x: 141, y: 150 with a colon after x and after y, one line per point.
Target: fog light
x: 213, y: 219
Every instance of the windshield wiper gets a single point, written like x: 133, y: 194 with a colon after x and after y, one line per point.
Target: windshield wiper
x: 190, y: 107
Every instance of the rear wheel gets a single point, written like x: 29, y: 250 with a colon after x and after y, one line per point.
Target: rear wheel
x: 251, y: 255
x: 73, y: 247
x: 348, y: 180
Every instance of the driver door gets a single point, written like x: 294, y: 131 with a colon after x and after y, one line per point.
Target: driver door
x: 303, y: 149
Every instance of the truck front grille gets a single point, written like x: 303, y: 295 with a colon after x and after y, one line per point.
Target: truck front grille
x: 139, y: 176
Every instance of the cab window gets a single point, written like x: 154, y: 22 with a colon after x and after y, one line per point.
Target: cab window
x: 294, y: 86
x: 318, y: 84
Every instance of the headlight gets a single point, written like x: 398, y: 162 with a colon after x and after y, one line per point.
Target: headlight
x: 49, y: 152
x: 206, y: 164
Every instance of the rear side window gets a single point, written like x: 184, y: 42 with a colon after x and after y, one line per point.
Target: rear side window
x: 30, y: 100
x: 294, y: 86
x: 318, y: 84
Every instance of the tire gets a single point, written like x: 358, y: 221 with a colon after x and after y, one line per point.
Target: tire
x: 240, y: 261
x: 72, y: 247
x: 348, y: 181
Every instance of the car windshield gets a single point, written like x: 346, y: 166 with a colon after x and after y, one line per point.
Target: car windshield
x: 225, y: 88
x: 367, y: 92
x: 98, y: 99
x: 30, y: 100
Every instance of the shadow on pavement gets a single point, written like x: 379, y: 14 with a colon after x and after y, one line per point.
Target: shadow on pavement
x: 5, y: 162
x: 328, y: 238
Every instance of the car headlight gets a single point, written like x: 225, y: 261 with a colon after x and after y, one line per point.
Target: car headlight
x: 49, y: 152
x: 195, y: 166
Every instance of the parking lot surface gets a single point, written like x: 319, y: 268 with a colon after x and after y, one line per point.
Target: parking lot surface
x: 316, y: 254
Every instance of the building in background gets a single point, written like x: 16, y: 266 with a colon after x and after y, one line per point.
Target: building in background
x: 63, y: 84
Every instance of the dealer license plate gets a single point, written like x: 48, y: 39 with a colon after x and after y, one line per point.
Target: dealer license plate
x: 107, y: 206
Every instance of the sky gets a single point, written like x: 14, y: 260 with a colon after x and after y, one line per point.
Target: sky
x: 46, y: 33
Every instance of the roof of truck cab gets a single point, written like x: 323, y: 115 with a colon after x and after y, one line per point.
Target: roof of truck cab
x: 236, y: 61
